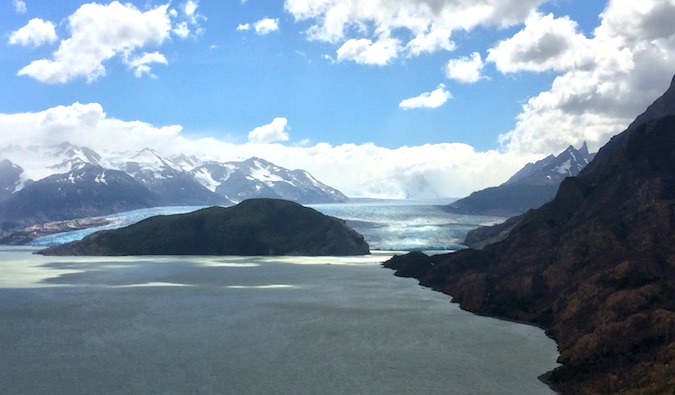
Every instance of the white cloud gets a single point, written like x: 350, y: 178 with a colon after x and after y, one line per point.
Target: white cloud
x: 182, y: 30
x: 422, y: 26
x: 99, y: 33
x: 433, y: 99
x: 357, y: 170
x: 364, y: 51
x: 189, y: 20
x: 433, y: 40
x: 20, y: 6
x: 190, y: 9
x: 270, y: 133
x: 546, y: 43
x: 266, y: 26
x: 141, y: 63
x: 244, y: 27
x: 36, y: 33
x: 464, y: 69
x: 82, y: 124
x: 619, y: 71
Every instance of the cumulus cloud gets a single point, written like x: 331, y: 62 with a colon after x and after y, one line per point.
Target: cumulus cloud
x: 189, y: 20
x: 270, y: 133
x: 36, y: 33
x: 266, y: 26
x: 606, y: 80
x: 357, y: 170
x: 364, y: 51
x: 546, y: 43
x: 433, y: 99
x: 262, y: 27
x: 141, y: 63
x: 465, y: 70
x: 421, y: 26
x: 20, y: 6
x: 101, y: 32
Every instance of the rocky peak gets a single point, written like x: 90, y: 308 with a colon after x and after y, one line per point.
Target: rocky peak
x: 553, y: 169
x: 535, y: 184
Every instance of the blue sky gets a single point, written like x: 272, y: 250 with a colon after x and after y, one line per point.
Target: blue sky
x: 434, y: 97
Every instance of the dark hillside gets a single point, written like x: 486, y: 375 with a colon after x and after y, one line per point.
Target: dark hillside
x: 253, y: 227
x: 595, y: 267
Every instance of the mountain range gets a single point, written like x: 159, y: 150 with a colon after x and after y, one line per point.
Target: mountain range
x: 80, y: 182
x: 532, y: 186
x: 595, y: 267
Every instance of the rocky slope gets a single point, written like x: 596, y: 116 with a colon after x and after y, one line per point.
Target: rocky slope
x: 253, y: 227
x: 10, y: 178
x: 482, y: 236
x: 32, y: 232
x: 662, y: 107
x: 595, y: 267
x: 532, y: 186
x: 87, y: 191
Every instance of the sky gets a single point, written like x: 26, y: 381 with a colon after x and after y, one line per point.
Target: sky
x: 378, y: 98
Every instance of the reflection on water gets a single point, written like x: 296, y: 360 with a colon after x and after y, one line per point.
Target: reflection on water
x: 259, y: 325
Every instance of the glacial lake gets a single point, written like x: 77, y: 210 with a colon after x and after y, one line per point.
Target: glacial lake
x: 249, y: 325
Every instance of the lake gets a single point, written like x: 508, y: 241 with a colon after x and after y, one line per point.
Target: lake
x: 248, y: 325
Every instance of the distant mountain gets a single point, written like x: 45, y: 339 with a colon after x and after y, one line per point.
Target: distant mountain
x: 173, y: 185
x: 595, y: 267
x: 258, y: 178
x: 253, y: 227
x: 69, y: 157
x: 10, y: 178
x: 184, y: 180
x: 86, y: 191
x: 532, y: 186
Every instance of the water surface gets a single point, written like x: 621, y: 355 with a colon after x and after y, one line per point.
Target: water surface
x: 241, y: 325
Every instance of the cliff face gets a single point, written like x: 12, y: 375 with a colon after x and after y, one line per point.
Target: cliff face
x: 253, y: 227
x: 595, y: 267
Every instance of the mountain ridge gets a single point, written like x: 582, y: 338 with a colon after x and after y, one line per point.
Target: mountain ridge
x: 530, y: 187
x: 151, y: 180
x: 595, y: 267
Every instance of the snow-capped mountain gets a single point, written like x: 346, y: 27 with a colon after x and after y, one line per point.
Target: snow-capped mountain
x: 168, y: 180
x: 554, y: 169
x: 186, y: 162
x: 89, y: 190
x: 256, y: 177
x: 10, y: 178
x: 533, y: 185
x: 76, y: 181
x: 68, y: 157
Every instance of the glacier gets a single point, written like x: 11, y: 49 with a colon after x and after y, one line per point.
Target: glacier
x: 387, y: 225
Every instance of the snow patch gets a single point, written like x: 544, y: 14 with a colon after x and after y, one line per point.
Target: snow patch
x: 265, y: 175
x: 206, y: 179
x: 564, y: 168
x: 101, y: 178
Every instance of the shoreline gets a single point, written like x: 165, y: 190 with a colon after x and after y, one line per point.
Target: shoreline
x: 544, y: 377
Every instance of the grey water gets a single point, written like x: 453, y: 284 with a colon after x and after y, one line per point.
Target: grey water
x: 248, y: 325
x: 258, y: 325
